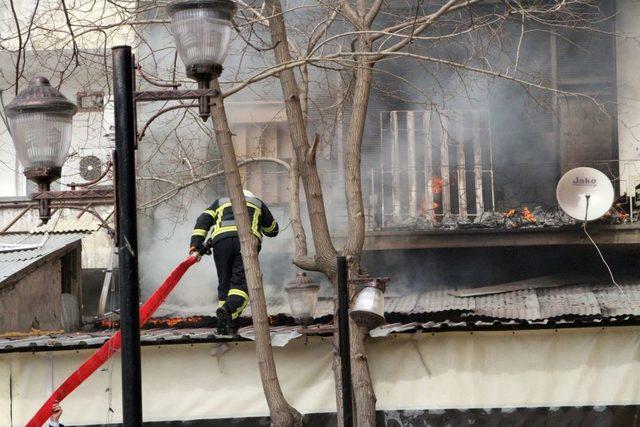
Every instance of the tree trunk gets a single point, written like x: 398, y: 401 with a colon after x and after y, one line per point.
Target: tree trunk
x: 365, y: 399
x: 352, y: 160
x: 282, y: 414
x: 362, y: 385
x: 325, y: 252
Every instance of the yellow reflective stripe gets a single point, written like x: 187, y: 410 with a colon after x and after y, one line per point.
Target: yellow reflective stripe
x: 271, y: 228
x: 239, y: 293
x: 237, y: 313
x: 219, y: 213
x: 245, y: 297
x: 221, y: 208
x: 224, y: 230
x: 221, y: 303
x: 219, y: 229
x: 254, y: 224
x: 199, y: 232
x: 211, y: 213
x: 251, y: 205
x: 232, y: 228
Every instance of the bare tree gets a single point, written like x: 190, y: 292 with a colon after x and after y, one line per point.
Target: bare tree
x: 368, y: 47
x: 353, y: 40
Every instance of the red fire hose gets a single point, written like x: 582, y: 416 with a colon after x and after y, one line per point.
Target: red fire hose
x: 111, y: 346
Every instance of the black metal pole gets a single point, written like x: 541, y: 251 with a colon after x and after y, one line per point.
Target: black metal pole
x: 127, y: 235
x: 343, y: 332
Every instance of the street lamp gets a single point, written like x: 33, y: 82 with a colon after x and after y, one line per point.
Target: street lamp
x: 368, y: 308
x: 302, y: 294
x: 40, y: 120
x: 202, y: 33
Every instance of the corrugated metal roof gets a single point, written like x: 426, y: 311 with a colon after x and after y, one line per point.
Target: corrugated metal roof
x: 569, y: 300
x: 598, y: 304
x: 599, y: 299
x: 509, y: 305
x: 32, y: 247
x: 280, y: 336
x: 613, y: 302
x: 87, y: 223
x: 441, y: 301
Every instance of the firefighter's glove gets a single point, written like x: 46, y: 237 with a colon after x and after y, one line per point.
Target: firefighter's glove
x: 194, y: 252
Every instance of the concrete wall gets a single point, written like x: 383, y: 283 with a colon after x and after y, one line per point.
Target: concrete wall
x: 33, y: 301
x: 548, y: 368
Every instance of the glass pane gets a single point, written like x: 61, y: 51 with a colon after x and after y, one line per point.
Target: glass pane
x: 201, y: 36
x: 41, y: 139
x: 302, y: 302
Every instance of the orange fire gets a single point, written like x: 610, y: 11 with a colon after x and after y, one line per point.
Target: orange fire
x: 619, y: 212
x: 161, y: 322
x: 509, y: 213
x: 527, y: 215
x: 435, y: 205
x: 436, y: 184
x: 174, y: 321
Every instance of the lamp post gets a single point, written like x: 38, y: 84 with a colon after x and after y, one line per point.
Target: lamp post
x: 368, y: 306
x: 302, y: 294
x: 344, y: 340
x: 202, y: 33
x: 367, y: 311
x: 41, y: 120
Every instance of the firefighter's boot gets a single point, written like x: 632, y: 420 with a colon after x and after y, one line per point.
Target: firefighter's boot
x: 224, y: 320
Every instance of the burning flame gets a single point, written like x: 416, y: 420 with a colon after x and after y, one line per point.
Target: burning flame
x: 163, y: 322
x: 436, y: 184
x: 435, y: 205
x: 616, y: 214
x: 171, y: 322
x: 527, y: 215
x: 509, y: 213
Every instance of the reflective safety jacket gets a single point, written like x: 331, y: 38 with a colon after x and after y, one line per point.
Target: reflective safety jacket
x: 218, y: 220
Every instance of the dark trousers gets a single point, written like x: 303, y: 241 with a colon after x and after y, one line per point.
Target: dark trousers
x: 232, y: 284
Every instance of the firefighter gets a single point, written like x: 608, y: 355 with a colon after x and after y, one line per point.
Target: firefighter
x: 218, y: 223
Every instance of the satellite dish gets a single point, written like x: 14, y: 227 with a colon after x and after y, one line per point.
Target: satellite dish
x: 585, y: 193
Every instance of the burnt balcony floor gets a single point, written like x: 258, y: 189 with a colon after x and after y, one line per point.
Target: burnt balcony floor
x: 403, y: 238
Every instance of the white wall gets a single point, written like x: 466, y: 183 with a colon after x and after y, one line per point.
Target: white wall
x: 421, y: 371
x: 628, y: 64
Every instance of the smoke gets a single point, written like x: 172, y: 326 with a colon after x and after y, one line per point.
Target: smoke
x: 529, y: 129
